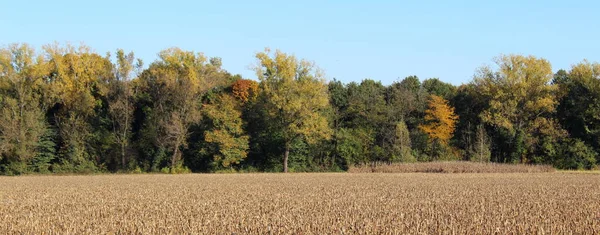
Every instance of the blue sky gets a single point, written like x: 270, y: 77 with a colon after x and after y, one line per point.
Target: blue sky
x: 350, y: 40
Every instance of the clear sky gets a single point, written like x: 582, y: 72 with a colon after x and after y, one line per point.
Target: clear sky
x: 350, y: 40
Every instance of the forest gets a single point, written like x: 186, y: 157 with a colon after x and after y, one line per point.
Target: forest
x: 68, y: 109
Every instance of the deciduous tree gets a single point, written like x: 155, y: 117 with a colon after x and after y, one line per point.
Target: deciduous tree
x: 402, y: 150
x: 480, y: 149
x: 579, y: 107
x: 296, y: 98
x: 225, y: 137
x: 121, y: 103
x: 245, y: 90
x: 440, y: 120
x: 522, y: 102
x: 175, y: 84
x: 77, y: 79
x: 22, y: 121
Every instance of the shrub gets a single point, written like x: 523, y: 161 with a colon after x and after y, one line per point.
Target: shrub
x: 16, y: 168
x: 226, y: 171
x: 137, y: 170
x: 576, y: 155
x: 449, y: 167
x: 179, y: 169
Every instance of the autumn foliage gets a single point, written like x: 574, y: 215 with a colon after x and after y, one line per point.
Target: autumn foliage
x: 225, y: 137
x: 440, y: 120
x: 245, y: 90
x: 69, y: 109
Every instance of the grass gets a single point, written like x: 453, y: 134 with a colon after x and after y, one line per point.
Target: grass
x: 581, y: 171
x: 449, y: 167
x: 305, y: 203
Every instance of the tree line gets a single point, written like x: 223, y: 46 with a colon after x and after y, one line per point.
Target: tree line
x: 69, y: 109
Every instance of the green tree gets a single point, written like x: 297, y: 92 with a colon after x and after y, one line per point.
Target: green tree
x: 366, y: 104
x: 406, y: 102
x: 469, y: 104
x: 411, y: 83
x: 355, y: 145
x: 579, y: 107
x: 338, y: 99
x: 369, y: 108
x: 575, y: 154
x: 226, y: 139
x: 296, y: 98
x: 402, y: 150
x: 436, y: 87
x: 22, y: 121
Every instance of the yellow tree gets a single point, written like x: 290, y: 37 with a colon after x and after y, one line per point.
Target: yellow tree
x: 295, y: 96
x: 521, y: 103
x: 440, y: 120
x: 21, y: 111
x: 76, y: 75
x: 78, y: 79
x: 519, y: 91
x: 175, y: 84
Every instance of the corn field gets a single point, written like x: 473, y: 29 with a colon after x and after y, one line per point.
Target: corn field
x: 311, y: 203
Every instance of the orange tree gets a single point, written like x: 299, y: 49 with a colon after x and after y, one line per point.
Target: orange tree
x: 245, y: 90
x: 440, y: 122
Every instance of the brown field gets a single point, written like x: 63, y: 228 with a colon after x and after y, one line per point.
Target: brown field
x: 318, y: 203
x: 449, y: 167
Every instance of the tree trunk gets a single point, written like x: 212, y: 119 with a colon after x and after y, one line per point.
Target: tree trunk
x: 285, y: 158
x: 174, y: 157
x: 123, y: 156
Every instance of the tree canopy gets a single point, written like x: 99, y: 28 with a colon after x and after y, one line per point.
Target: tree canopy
x: 66, y: 108
x: 295, y: 96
